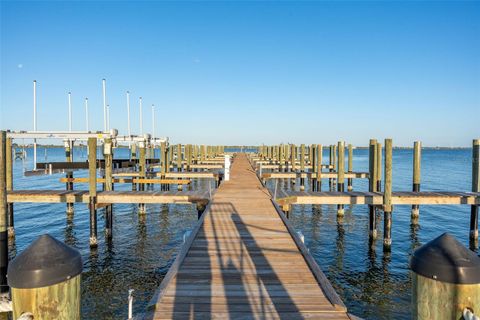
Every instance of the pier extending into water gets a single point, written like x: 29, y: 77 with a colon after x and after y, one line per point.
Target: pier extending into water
x: 243, y: 260
x: 238, y: 260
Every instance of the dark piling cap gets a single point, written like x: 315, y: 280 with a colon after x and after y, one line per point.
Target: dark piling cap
x: 447, y: 260
x: 45, y: 262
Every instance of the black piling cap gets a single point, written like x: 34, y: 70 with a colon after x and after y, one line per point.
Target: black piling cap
x: 45, y: 262
x: 446, y: 260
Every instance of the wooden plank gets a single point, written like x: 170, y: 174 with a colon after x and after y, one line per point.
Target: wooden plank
x: 242, y: 262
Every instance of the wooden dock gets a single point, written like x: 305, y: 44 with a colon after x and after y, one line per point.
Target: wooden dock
x: 82, y: 196
x: 284, y: 197
x: 243, y: 260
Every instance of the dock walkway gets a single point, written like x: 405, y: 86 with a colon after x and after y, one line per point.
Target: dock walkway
x: 244, y: 261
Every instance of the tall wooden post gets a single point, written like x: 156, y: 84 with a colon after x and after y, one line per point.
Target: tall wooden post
x: 350, y: 167
x: 378, y: 171
x: 9, y: 183
x: 69, y: 175
x: 142, y: 168
x: 164, y: 163
x: 3, y: 213
x: 108, y: 157
x: 475, y: 188
x: 341, y: 175
x: 133, y: 157
x: 302, y: 166
x: 293, y: 158
x: 92, y: 179
x: 387, y: 198
x: 179, y: 164
x: 417, y: 155
x: 330, y: 163
x: 188, y: 152
x: 313, y: 172
x: 372, y: 186
x: 319, y: 161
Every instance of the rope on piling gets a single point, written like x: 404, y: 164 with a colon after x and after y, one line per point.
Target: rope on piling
x: 468, y: 315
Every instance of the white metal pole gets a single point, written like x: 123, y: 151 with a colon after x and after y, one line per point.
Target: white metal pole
x: 153, y: 121
x: 70, y: 111
x: 104, y: 91
x: 141, y: 117
x: 108, y: 118
x: 86, y: 114
x: 128, y: 114
x: 34, y: 123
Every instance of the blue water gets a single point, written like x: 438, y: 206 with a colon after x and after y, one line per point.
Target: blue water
x: 374, y: 285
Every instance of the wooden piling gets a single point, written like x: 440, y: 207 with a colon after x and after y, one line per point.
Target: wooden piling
x: 108, y: 157
x: 3, y: 213
x: 179, y: 164
x: 92, y: 175
x: 387, y: 197
x: 341, y: 175
x: 302, y: 166
x: 142, y: 169
x: 417, y: 154
x: 330, y: 162
x: 350, y: 167
x: 69, y: 174
x: 378, y: 171
x: 372, y: 219
x: 293, y: 157
x: 45, y: 281
x: 313, y: 177
x: 319, y: 172
x: 475, y: 188
x: 9, y: 185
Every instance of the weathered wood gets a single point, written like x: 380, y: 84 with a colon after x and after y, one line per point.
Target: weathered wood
x: 350, y: 167
x: 341, y: 175
x: 3, y: 213
x: 434, y: 299
x: 92, y: 174
x: 378, y: 171
x: 387, y: 197
x: 108, y: 156
x: 237, y: 244
x: 127, y: 180
x: 9, y: 185
x: 59, y: 301
x: 417, y: 154
x: 475, y: 188
x: 69, y: 174
x: 372, y: 187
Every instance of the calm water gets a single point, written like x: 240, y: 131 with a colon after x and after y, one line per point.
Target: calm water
x: 374, y: 285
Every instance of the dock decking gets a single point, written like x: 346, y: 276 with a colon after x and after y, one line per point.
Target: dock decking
x: 242, y: 261
x: 376, y: 198
x: 82, y: 196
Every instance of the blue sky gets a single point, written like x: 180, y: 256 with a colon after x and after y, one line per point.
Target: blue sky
x: 249, y: 72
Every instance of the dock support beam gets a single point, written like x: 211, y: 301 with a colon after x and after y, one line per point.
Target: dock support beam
x: 142, y: 168
x: 350, y: 167
x: 69, y: 175
x: 372, y: 188
x: 92, y: 174
x: 387, y: 198
x: 302, y: 167
x: 108, y: 156
x: 475, y: 188
x: 3, y: 214
x: 417, y: 154
x: 9, y: 185
x: 341, y: 175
